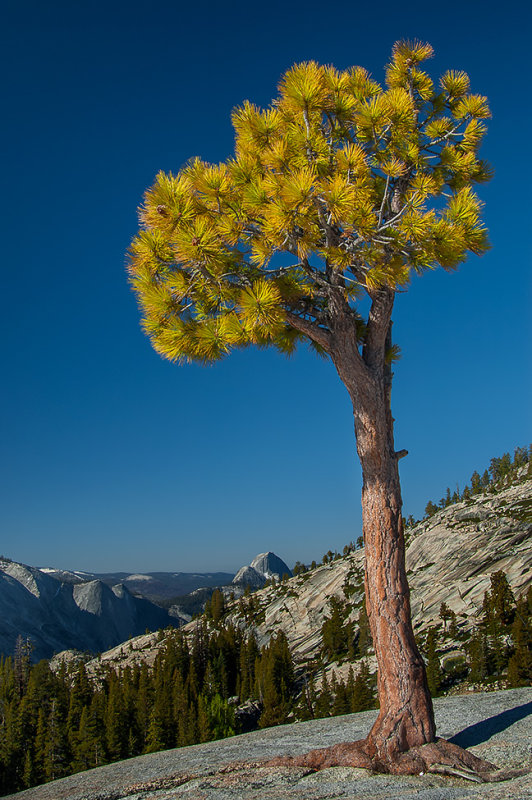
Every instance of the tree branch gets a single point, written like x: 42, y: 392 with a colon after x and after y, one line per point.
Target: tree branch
x: 310, y: 329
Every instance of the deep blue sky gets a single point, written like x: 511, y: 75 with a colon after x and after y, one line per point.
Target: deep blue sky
x: 115, y: 459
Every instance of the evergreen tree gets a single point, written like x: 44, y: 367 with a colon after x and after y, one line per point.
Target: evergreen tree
x: 307, y: 700
x: 362, y: 696
x: 359, y: 186
x: 205, y: 733
x: 115, y: 721
x: 445, y: 614
x: 221, y: 718
x: 56, y: 753
x: 80, y: 744
x: 499, y: 602
x: 40, y: 747
x: 477, y: 648
x: 364, y: 634
x: 341, y: 702
x: 155, y: 739
x: 430, y: 509
x: 248, y: 655
x: 324, y: 701
x: 217, y: 606
x: 28, y: 775
x: 520, y: 457
x: 476, y: 483
x: 334, y: 631
x: 144, y: 702
x: 21, y: 663
x: 434, y: 674
x: 275, y: 677
x: 520, y: 663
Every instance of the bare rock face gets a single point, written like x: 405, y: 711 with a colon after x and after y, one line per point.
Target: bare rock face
x: 57, y: 615
x: 264, y: 567
x: 299, y: 607
x: 249, y: 577
x: 450, y: 558
x: 452, y: 554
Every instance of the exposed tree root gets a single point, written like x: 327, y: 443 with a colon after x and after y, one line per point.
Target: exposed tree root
x: 439, y: 756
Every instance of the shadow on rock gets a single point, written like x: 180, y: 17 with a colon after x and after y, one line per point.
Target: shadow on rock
x: 482, y: 731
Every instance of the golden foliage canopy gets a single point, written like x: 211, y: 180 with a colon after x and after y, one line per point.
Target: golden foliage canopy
x: 342, y: 186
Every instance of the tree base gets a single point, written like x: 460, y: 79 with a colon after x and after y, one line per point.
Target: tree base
x: 439, y: 756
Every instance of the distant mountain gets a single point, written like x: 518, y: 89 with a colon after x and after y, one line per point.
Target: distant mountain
x: 155, y: 586
x: 60, y: 614
x: 264, y: 567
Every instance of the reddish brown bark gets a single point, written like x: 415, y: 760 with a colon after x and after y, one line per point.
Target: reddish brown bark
x: 406, y: 717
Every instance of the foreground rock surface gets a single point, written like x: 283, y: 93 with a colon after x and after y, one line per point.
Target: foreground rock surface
x: 496, y: 726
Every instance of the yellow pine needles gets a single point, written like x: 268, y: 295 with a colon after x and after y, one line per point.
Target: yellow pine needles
x: 341, y: 184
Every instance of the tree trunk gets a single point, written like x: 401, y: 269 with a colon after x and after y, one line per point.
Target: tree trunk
x: 406, y: 717
x: 403, y: 738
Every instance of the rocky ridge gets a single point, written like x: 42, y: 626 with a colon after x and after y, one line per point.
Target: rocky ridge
x: 154, y: 586
x: 56, y: 615
x: 450, y: 558
x: 264, y: 567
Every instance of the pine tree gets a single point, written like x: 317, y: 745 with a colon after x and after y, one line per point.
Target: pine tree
x: 307, y: 701
x: 80, y: 698
x: 364, y: 634
x: 28, y: 775
x: 324, y: 700
x: 80, y: 744
x: 520, y: 663
x: 475, y: 483
x: 358, y: 186
x: 445, y: 615
x: 115, y: 721
x: 477, y: 648
x: 499, y: 602
x: 144, y: 702
x: 217, y: 606
x: 40, y: 747
x: 274, y: 678
x: 334, y: 631
x: 248, y: 655
x: 56, y: 754
x: 221, y: 718
x: 21, y: 663
x: 434, y: 674
x: 205, y: 733
x: 362, y: 697
x: 156, y: 732
x: 341, y: 703
x: 430, y: 509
